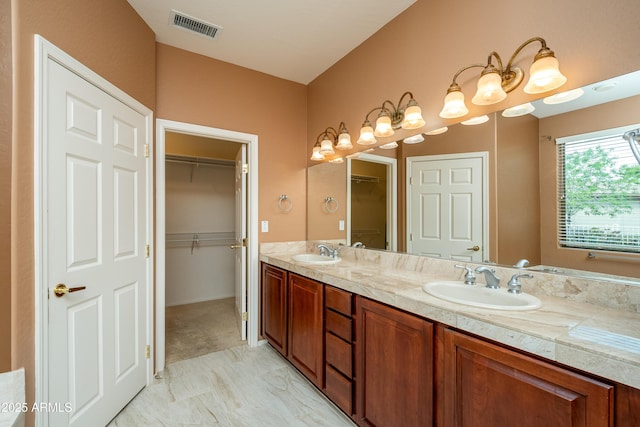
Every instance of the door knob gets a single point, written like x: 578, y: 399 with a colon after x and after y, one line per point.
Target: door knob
x: 235, y: 246
x: 61, y: 289
x: 476, y: 248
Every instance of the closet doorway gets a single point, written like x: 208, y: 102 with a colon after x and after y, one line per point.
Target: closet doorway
x: 206, y: 197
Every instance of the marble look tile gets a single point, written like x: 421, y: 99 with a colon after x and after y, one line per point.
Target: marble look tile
x: 523, y: 341
x: 237, y: 387
x: 599, y: 364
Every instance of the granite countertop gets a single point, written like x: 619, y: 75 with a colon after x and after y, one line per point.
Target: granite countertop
x: 593, y: 327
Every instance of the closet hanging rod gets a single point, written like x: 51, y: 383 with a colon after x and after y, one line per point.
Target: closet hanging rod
x: 198, y: 161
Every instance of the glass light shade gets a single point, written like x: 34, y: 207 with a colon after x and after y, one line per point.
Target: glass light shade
x: 476, y: 120
x: 344, y: 142
x: 366, y: 136
x: 454, y: 105
x: 326, y: 147
x: 316, y: 154
x: 489, y: 90
x: 544, y: 76
x: 389, y: 145
x: 383, y: 126
x: 412, y: 118
x: 518, y: 110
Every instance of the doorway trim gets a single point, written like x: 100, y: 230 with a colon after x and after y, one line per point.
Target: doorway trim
x: 43, y: 52
x: 392, y: 197
x: 163, y: 126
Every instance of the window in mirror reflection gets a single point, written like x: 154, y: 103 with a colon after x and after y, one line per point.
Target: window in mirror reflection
x: 599, y: 192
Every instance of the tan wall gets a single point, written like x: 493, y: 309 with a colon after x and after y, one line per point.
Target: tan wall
x: 326, y: 180
x: 620, y: 113
x: 424, y: 46
x: 518, y: 200
x: 5, y: 185
x: 111, y: 39
x: 196, y: 89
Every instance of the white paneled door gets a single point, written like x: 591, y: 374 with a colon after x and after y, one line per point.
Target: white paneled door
x: 240, y: 245
x: 446, y: 206
x: 96, y: 238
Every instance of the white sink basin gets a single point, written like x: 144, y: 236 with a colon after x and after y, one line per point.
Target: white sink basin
x: 315, y: 259
x: 481, y: 296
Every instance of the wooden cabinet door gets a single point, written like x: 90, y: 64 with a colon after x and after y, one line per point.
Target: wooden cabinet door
x: 394, y: 368
x: 305, y: 327
x: 486, y: 385
x: 274, y: 307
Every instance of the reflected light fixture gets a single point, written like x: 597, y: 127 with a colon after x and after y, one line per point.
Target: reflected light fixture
x: 391, y: 117
x: 476, y: 120
x: 519, y: 110
x: 389, y: 145
x: 562, y: 97
x: 437, y: 131
x: 496, y: 82
x: 329, y: 139
x: 415, y: 139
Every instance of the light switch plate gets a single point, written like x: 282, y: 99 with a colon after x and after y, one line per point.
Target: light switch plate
x: 265, y: 226
x: 341, y: 225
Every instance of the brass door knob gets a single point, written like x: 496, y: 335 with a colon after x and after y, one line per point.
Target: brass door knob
x: 476, y: 248
x: 235, y: 246
x: 61, y: 289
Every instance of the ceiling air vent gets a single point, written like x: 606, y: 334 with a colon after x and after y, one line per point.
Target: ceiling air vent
x: 181, y: 20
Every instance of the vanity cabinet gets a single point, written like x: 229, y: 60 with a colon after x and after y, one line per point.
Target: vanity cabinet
x: 274, y: 306
x: 339, y: 348
x: 292, y: 319
x: 305, y: 327
x: 394, y: 366
x: 483, y: 384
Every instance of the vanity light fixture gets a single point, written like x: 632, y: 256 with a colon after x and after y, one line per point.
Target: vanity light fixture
x: 391, y: 117
x: 330, y: 138
x: 496, y: 82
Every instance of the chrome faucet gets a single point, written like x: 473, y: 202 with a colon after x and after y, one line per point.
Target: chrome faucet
x: 493, y: 281
x: 469, y: 277
x: 522, y: 263
x: 326, y: 250
x: 514, y: 286
x: 358, y: 245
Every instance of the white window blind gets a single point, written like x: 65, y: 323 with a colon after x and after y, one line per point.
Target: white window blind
x: 599, y: 192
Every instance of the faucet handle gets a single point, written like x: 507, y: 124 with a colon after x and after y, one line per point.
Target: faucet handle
x: 469, y: 277
x: 514, y: 286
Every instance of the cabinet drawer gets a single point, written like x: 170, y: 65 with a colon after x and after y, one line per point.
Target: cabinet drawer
x: 339, y: 390
x: 339, y: 354
x: 339, y: 325
x: 338, y: 300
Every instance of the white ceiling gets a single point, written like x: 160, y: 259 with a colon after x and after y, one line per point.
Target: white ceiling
x: 292, y: 39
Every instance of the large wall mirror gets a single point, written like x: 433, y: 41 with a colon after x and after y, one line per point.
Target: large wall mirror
x: 522, y: 202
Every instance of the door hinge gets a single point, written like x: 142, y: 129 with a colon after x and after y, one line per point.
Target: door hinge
x: 147, y: 251
x: 245, y: 316
x: 147, y: 351
x: 146, y: 150
x: 245, y: 168
x: 244, y: 242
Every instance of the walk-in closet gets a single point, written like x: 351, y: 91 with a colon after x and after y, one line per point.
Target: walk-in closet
x: 200, y: 215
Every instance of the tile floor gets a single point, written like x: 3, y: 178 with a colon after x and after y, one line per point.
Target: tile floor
x: 241, y: 386
x: 196, y: 329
